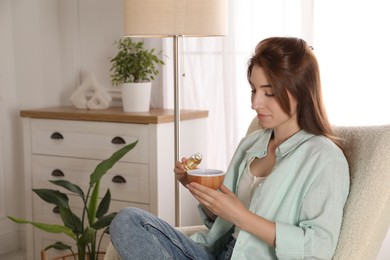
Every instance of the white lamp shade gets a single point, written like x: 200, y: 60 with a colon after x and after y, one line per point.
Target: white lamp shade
x: 161, y: 18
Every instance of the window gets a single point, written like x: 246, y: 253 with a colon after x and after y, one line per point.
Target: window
x: 351, y: 40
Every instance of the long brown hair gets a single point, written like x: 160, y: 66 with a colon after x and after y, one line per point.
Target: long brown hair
x: 291, y: 66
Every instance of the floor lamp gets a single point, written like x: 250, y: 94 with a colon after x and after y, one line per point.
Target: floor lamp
x: 175, y: 18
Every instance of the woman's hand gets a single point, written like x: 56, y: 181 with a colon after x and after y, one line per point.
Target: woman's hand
x: 224, y: 204
x: 180, y: 172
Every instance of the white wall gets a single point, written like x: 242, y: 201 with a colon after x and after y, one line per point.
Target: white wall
x: 57, y: 42
x: 46, y: 46
x: 10, y: 144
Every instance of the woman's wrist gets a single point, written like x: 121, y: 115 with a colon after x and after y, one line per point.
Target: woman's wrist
x: 209, y: 213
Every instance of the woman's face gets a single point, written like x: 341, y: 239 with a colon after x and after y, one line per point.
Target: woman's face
x: 267, y: 108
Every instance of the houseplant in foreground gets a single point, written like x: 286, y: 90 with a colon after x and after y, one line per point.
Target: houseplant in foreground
x: 82, y: 229
x: 133, y: 68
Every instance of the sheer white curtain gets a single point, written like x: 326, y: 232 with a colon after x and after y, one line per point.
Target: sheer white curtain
x: 351, y: 39
x: 215, y: 69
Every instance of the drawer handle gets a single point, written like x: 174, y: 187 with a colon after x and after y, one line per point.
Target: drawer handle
x: 118, y: 140
x: 118, y: 179
x: 57, y: 173
x: 57, y: 136
x: 56, y: 210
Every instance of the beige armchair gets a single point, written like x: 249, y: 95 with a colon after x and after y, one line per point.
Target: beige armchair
x: 367, y: 211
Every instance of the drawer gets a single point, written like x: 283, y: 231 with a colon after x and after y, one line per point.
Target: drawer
x: 136, y: 176
x: 45, y: 212
x: 94, y: 140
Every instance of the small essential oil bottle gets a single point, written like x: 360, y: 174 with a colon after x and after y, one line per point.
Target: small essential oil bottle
x: 193, y: 161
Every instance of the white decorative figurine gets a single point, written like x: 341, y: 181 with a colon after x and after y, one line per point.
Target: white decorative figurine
x: 100, y: 98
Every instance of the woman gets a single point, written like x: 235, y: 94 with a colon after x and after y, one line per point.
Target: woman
x: 286, y: 186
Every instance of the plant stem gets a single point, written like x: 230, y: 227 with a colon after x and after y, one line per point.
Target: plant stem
x: 100, y: 241
x: 74, y: 255
x: 81, y: 252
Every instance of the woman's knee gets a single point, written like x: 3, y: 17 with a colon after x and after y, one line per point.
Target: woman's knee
x: 124, y: 217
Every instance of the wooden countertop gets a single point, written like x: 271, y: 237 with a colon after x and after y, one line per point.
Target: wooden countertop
x: 112, y: 114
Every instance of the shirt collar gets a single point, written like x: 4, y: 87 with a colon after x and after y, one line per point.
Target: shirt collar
x: 259, y: 148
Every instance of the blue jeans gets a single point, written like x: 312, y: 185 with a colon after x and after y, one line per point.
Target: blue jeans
x: 137, y: 234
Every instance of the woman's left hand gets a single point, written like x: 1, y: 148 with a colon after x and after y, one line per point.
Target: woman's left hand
x: 223, y: 203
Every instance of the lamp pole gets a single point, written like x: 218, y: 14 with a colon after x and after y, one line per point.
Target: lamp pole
x: 175, y: 18
x: 176, y: 123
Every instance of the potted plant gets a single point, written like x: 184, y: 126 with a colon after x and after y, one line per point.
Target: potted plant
x: 82, y: 229
x: 133, y: 68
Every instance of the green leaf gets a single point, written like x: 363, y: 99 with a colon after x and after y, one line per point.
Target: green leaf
x: 104, y: 222
x: 107, y: 164
x: 59, y: 246
x: 87, y: 237
x: 107, y: 230
x: 93, y: 203
x: 71, y: 220
x: 46, y: 227
x: 53, y: 196
x: 69, y: 186
x: 104, y: 205
x: 133, y: 63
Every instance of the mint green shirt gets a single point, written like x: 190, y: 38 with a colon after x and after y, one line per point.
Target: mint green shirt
x: 304, y: 195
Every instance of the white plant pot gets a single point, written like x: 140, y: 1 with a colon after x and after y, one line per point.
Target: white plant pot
x: 136, y: 96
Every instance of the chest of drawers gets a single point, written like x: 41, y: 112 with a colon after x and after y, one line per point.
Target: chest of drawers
x: 64, y: 143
